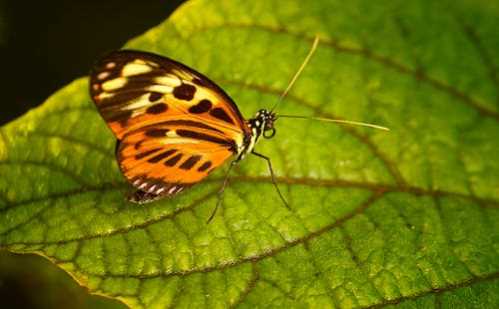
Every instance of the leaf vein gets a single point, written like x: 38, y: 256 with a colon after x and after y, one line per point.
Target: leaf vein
x: 370, y: 55
x: 249, y: 287
x: 375, y: 187
x: 267, y: 254
x: 390, y: 166
x: 487, y: 61
x: 437, y: 291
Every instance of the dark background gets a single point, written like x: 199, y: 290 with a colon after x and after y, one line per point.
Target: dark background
x: 44, y: 45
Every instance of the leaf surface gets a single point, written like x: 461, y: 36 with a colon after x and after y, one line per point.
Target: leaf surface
x: 407, y: 218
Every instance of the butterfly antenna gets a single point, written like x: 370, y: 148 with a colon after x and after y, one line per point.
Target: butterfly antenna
x: 340, y: 121
x: 297, y: 74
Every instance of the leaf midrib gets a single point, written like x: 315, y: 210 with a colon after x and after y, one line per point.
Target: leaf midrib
x: 375, y: 188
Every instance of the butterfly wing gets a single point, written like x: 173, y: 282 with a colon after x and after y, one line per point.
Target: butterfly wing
x: 166, y: 158
x: 132, y: 89
x: 174, y: 125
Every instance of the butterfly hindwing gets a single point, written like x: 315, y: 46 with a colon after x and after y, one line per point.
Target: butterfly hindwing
x: 174, y: 125
x: 157, y: 157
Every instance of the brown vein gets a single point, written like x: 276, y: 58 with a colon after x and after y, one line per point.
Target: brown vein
x: 390, y: 166
x: 104, y: 151
x: 311, y: 182
x: 255, y: 277
x: 438, y: 291
x: 52, y: 167
x: 483, y: 53
x: 55, y: 196
x: 370, y: 55
x: 267, y: 254
x: 320, y: 276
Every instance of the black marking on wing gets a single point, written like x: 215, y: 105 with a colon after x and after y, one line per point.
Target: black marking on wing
x: 172, y: 161
x: 146, y: 153
x: 142, y: 197
x: 113, y: 115
x: 138, y: 144
x: 202, y: 82
x: 154, y: 189
x: 189, y: 163
x: 204, y: 137
x: 154, y: 96
x: 202, y: 107
x: 184, y: 92
x: 162, y: 156
x: 157, y: 108
x: 156, y: 132
x: 206, y: 165
x: 159, y: 127
x: 119, y: 97
x: 190, y: 123
x: 220, y: 114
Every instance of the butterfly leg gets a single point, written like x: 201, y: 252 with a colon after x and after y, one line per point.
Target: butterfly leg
x: 221, y: 191
x: 273, y: 176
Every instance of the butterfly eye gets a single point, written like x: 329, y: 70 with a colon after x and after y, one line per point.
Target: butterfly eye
x: 269, y: 133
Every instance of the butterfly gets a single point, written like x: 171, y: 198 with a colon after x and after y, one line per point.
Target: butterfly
x: 173, y: 125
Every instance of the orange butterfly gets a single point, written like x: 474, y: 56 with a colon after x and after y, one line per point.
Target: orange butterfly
x: 174, y: 126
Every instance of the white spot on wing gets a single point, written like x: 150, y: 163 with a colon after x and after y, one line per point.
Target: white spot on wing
x: 172, y: 189
x: 160, y: 190
x: 160, y: 88
x: 135, y: 69
x: 114, y: 84
x: 103, y: 75
x: 168, y: 80
x: 171, y: 134
x: 104, y: 95
x: 110, y: 65
x: 138, y: 103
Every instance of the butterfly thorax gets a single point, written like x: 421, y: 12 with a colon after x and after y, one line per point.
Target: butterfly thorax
x: 260, y: 125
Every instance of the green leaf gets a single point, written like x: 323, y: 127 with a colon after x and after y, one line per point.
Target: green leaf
x: 407, y: 218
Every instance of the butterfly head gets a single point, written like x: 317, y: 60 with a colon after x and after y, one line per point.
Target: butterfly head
x: 264, y: 123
